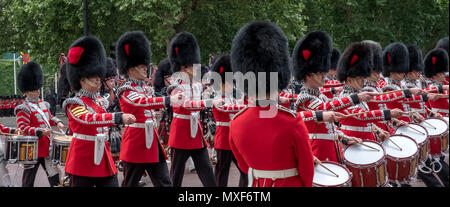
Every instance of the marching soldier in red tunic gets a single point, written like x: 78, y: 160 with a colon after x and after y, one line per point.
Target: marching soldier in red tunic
x: 354, y: 67
x: 34, y: 119
x: 436, y: 64
x: 89, y: 161
x: 186, y: 135
x: 261, y: 47
x: 223, y: 115
x: 311, y: 61
x: 379, y: 101
x: 435, y: 69
x: 141, y: 148
x: 395, y: 65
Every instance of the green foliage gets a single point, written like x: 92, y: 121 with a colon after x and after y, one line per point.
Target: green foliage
x: 421, y: 22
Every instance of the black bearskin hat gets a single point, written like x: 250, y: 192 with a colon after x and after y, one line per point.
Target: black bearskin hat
x: 110, y: 68
x: 335, y: 55
x: 415, y: 58
x: 87, y: 58
x: 184, y: 51
x: 221, y: 66
x: 312, y: 54
x: 356, y: 61
x: 133, y: 49
x: 261, y: 46
x: 30, y: 77
x: 443, y: 44
x: 377, y: 54
x: 395, y: 59
x: 436, y: 62
x: 163, y: 70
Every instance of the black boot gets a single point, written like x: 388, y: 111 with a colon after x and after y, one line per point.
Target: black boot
x: 54, y: 180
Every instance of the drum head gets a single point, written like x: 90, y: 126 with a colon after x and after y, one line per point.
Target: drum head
x: 407, y: 131
x: 324, y: 177
x: 362, y: 155
x: 440, y: 126
x: 63, y: 138
x: 408, y: 146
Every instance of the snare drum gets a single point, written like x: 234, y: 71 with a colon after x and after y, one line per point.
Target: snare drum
x: 401, y: 162
x: 420, y: 136
x: 368, y: 166
x: 324, y: 178
x: 21, y: 149
x: 438, y: 135
x: 60, y: 149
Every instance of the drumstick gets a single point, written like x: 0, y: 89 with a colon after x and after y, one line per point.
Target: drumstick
x: 415, y: 129
x: 328, y: 170
x: 411, y: 112
x: 429, y: 124
x: 396, y: 120
x: 368, y: 146
x: 356, y: 114
x: 388, y: 92
x: 63, y: 132
x: 395, y: 144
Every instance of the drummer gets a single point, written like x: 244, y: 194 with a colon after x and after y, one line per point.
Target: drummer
x: 436, y: 64
x: 354, y: 67
x: 310, y: 63
x: 34, y: 119
x: 5, y: 181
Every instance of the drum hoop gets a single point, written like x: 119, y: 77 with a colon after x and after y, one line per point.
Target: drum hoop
x: 348, y: 181
x: 441, y: 134
x: 404, y: 158
x: 427, y: 137
x: 374, y: 164
x: 22, y: 138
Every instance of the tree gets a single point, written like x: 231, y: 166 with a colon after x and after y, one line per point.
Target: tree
x: 420, y: 22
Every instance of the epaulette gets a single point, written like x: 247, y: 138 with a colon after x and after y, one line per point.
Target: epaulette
x: 74, y: 100
x: 125, y: 87
x: 282, y: 108
x: 240, y: 112
x: 22, y: 107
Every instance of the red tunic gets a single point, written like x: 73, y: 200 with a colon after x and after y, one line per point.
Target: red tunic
x: 360, y: 126
x: 223, y: 115
x: 379, y: 102
x: 441, y: 105
x: 322, y: 134
x: 180, y: 128
x: 30, y: 122
x: 139, y: 101
x: 86, y: 117
x: 276, y: 143
x: 393, y: 85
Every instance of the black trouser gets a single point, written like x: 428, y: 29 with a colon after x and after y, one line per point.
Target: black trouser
x: 201, y: 163
x: 430, y: 180
x: 82, y: 181
x: 29, y: 175
x: 158, y: 172
x: 222, y: 169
